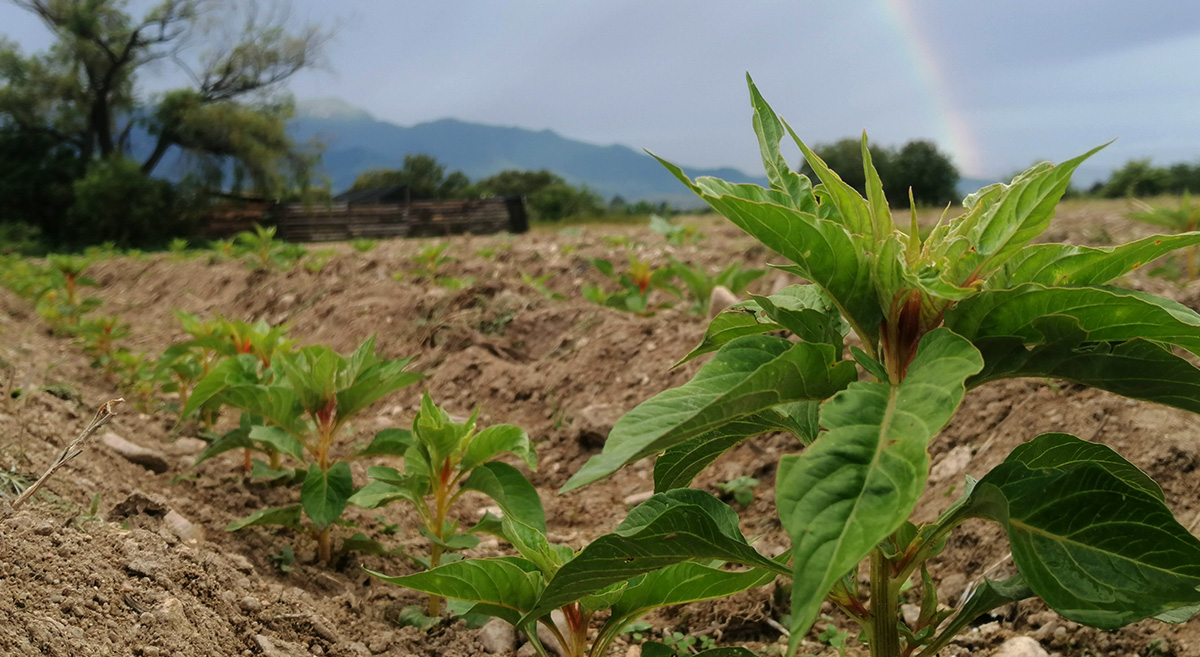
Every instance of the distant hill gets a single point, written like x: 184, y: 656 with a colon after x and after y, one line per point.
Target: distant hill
x: 355, y: 142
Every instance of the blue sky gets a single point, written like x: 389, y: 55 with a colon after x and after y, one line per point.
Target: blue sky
x: 999, y: 85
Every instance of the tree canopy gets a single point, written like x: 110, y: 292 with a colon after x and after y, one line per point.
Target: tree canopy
x: 80, y: 105
x: 423, y: 175
x: 917, y: 164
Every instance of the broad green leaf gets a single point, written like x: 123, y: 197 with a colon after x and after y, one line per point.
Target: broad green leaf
x: 747, y: 376
x: 239, y: 370
x: 736, y: 321
x: 439, y: 436
x: 807, y: 312
x: 453, y: 542
x: 1068, y: 264
x: 277, y: 439
x: 1103, y: 314
x: 679, y: 465
x: 1138, y: 369
x: 389, y: 442
x: 276, y: 404
x: 509, y: 586
x: 1097, y: 549
x: 669, y: 528
x: 311, y: 374
x: 1179, y: 614
x: 512, y: 492
x: 324, y: 494
x: 881, y: 215
x: 861, y: 479
x: 1062, y: 451
x: 373, y: 383
x: 1002, y: 219
x: 287, y: 516
x: 379, y: 493
x: 770, y: 132
x: 235, y: 439
x: 683, y: 583
x: 824, y: 252
x: 853, y: 208
x: 499, y: 439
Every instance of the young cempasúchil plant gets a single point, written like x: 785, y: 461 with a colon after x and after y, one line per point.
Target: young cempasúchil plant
x: 301, y: 410
x: 442, y: 460
x: 973, y: 302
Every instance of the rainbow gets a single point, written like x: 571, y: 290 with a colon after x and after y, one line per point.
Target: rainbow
x: 955, y: 132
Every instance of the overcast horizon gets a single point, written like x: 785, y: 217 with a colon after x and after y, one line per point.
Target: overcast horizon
x: 997, y: 87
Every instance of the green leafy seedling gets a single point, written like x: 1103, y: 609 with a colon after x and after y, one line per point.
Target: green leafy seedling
x: 538, y: 285
x: 364, y: 244
x: 635, y: 286
x: 700, y: 283
x: 264, y: 251
x: 675, y: 234
x: 442, y: 460
x: 683, y: 540
x: 741, y: 489
x: 1185, y: 218
x: 301, y: 410
x: 974, y: 301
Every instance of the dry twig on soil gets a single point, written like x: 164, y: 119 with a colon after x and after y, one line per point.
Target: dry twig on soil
x: 103, y: 415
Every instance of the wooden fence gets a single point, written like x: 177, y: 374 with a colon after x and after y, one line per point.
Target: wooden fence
x: 297, y: 223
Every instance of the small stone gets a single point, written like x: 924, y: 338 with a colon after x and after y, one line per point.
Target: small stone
x: 240, y: 562
x: 637, y: 498
x: 720, y: 299
x: 634, y: 651
x: 150, y: 459
x: 316, y: 649
x: 183, y: 528
x: 527, y: 650
x: 911, y: 614
x: 951, y: 464
x: 497, y: 637
x: 185, y: 446
x: 250, y: 604
x: 1020, y: 646
x: 547, y: 637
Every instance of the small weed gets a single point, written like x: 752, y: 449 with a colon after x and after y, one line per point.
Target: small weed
x: 740, y: 488
x: 284, y: 559
x: 364, y: 245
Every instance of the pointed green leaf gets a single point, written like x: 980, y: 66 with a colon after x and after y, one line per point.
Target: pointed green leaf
x: 736, y: 321
x: 1068, y: 264
x: 389, y: 442
x: 1062, y: 451
x: 234, y: 439
x: 287, y: 516
x: 1137, y: 369
x: 277, y: 439
x: 747, y: 376
x: 861, y: 479
x: 324, y: 494
x: 679, y: 465
x: 881, y: 215
x: 1103, y: 314
x: 670, y: 528
x: 989, y: 595
x: 1097, y: 549
x: 856, y: 214
x: 770, y: 133
x: 373, y: 383
x: 508, y: 585
x: 807, y: 312
x: 499, y: 439
x: 378, y: 493
x: 824, y: 252
x: 512, y: 492
x: 277, y: 404
x: 240, y: 370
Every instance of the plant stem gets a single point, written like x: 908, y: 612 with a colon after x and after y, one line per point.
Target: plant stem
x: 885, y: 637
x: 324, y: 550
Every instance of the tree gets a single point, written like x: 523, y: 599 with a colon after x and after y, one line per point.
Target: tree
x: 1137, y: 178
x: 422, y: 174
x: 548, y: 195
x: 82, y: 93
x: 918, y: 164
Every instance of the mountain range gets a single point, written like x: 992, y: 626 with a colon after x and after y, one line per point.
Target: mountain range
x: 355, y: 141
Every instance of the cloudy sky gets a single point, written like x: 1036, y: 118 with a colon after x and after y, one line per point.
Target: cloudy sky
x: 998, y: 84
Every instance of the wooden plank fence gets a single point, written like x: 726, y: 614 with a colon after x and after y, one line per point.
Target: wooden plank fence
x: 296, y: 223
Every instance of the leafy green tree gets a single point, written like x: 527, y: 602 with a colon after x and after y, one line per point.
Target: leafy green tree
x: 116, y: 202
x: 425, y: 177
x: 918, y: 164
x: 548, y: 195
x: 518, y: 183
x: 82, y: 93
x: 1137, y: 178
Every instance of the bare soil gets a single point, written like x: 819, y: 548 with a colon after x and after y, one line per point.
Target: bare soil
x: 131, y: 579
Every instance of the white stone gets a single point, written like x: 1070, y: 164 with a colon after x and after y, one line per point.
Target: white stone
x: 1021, y: 646
x: 497, y: 637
